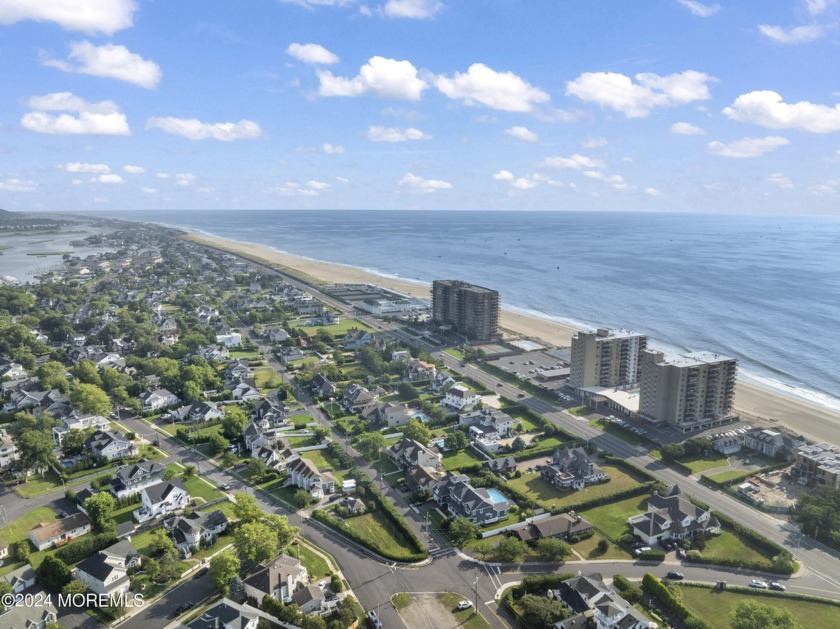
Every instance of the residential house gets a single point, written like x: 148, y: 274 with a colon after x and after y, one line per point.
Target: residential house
x: 357, y: 399
x: 419, y: 370
x: 481, y: 506
x: 400, y: 355
x: 198, y: 412
x: 672, y: 517
x: 291, y: 353
x: 157, y: 399
x: 487, y: 423
x: 772, y: 443
x: 131, y: 479
x: 270, y: 413
x: 272, y: 457
x: 12, y: 371
x: 234, y: 339
x: 124, y: 554
x: 388, y: 414
x: 460, y: 397
x: 168, y: 325
x: 103, y: 574
x: 356, y: 339
x: 59, y: 532
x: 571, y: 468
x: 162, y: 499
x: 213, y: 353
x: 442, y: 382
x: 562, y: 525
x: 322, y: 386
x: 304, y: 474
x: 310, y: 599
x: 238, y: 370
x: 276, y: 335
x: 85, y: 422
x: 8, y: 450
x: 189, y: 532
x: 818, y: 464
x: 408, y: 453
x: 227, y: 614
x: 502, y: 465
x: 422, y: 478
x: 596, y: 606
x: 278, y: 579
x: 29, y: 617
x: 109, y: 446
x: 20, y: 579
x: 727, y: 444
x: 243, y: 391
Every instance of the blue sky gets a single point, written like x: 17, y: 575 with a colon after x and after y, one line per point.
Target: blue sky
x: 665, y: 105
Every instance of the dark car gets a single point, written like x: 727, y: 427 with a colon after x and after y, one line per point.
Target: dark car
x: 675, y: 576
x: 775, y: 585
x: 521, y: 395
x: 200, y: 573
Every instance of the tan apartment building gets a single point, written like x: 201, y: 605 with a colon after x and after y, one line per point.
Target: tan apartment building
x: 606, y: 358
x: 689, y: 391
x: 471, y: 310
x: 818, y: 464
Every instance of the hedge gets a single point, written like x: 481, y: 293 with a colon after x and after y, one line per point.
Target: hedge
x: 652, y: 555
x: 531, y: 585
x: 756, y: 538
x: 326, y: 518
x: 84, y: 548
x: 631, y: 592
x: 639, y: 490
x: 666, y: 597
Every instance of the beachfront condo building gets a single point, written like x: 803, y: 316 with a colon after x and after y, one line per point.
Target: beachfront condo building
x: 606, y: 358
x: 689, y: 391
x: 471, y: 310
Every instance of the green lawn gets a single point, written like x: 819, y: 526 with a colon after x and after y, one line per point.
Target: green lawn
x: 611, y: 518
x: 588, y: 549
x: 323, y: 460
x: 465, y: 618
x: 19, y: 529
x: 266, y: 378
x: 456, y: 459
x: 302, y: 442
x: 528, y: 424
x: 698, y: 464
x: 454, y: 353
x: 338, y: 330
x: 198, y: 488
x: 315, y: 565
x: 225, y: 507
x: 380, y: 534
x: 732, y: 546
x: 728, y: 475
x: 615, y: 431
x: 246, y: 355
x: 714, y: 606
x: 549, y: 497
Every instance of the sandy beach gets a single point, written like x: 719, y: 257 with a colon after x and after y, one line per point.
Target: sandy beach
x: 760, y: 405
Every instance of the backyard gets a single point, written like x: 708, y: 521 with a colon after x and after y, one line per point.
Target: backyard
x: 611, y: 518
x: 381, y: 534
x: 456, y: 459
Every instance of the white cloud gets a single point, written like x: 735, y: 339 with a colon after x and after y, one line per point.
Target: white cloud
x: 503, y: 175
x: 162, y: 175
x: 332, y: 149
x: 498, y: 90
x: 392, y: 134
x: 522, y: 133
x: 13, y: 184
x: 781, y: 180
x: 699, y: 9
x: 815, y: 7
x: 765, y: 108
x: 89, y: 16
x: 108, y: 60
x: 380, y: 77
x: 616, y: 181
x: 420, y: 185
x: 103, y: 118
x: 794, y: 35
x: 133, y: 170
x: 686, y: 128
x: 108, y: 178
x: 77, y: 182
x: 294, y: 189
x: 343, y: 180
x: 148, y: 190
x: 523, y: 183
x: 653, y: 192
x: 635, y: 100
x: 575, y: 162
x: 184, y: 179
x: 412, y: 9
x: 194, y: 129
x: 312, y: 53
x: 594, y: 143
x: 81, y: 167
x: 318, y: 185
x: 748, y: 147
x: 205, y: 190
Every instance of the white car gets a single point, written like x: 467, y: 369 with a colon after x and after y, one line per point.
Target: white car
x: 758, y: 583
x: 374, y: 619
x: 464, y: 604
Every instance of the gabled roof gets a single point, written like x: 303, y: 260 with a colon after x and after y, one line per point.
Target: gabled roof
x: 162, y: 491
x: 97, y: 566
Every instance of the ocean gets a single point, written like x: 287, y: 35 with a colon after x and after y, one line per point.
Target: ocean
x: 763, y: 289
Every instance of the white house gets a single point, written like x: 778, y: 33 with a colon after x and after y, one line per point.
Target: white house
x: 493, y: 423
x: 189, y: 532
x: 159, y: 398
x: 276, y: 335
x: 161, y: 499
x: 110, y: 446
x: 304, y: 474
x: 234, y: 339
x: 408, y: 453
x: 103, y: 574
x: 21, y: 579
x: 130, y: 479
x: 97, y: 422
x: 672, y: 517
x: 460, y: 397
x: 279, y: 579
x: 59, y: 532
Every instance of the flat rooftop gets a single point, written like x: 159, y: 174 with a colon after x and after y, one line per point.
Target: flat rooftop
x: 626, y: 399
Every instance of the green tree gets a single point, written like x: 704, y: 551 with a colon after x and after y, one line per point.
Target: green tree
x: 53, y: 574
x: 191, y: 391
x: 320, y: 433
x: 455, y: 440
x: 246, y: 509
x: 73, y: 442
x: 75, y: 587
x: 85, y: 371
x: 407, y: 391
x: 510, y: 550
x: 417, y: 430
x: 370, y: 443
x: 52, y: 375
x: 22, y: 550
x: 541, y: 612
x: 552, y: 549
x: 255, y: 541
x: 281, y: 527
x: 161, y: 544
x: 755, y: 615
x: 223, y: 567
x: 462, y: 530
x: 100, y: 507
x: 89, y: 398
x: 217, y: 444
x: 35, y: 448
x: 234, y: 422
x: 152, y: 567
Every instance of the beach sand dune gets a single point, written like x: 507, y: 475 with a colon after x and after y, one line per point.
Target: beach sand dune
x: 760, y: 405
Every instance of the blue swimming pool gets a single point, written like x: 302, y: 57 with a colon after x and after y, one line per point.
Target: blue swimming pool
x: 421, y: 416
x: 496, y: 496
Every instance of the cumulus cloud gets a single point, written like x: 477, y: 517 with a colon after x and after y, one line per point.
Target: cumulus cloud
x: 748, y: 147
x: 498, y: 90
x: 523, y: 183
x: 148, y: 190
x: 686, y: 128
x: 420, y: 185
x: 392, y: 134
x: 575, y: 162
x: 767, y: 109
x: 318, y: 185
x: 81, y: 167
x: 412, y: 9
x: 13, y: 184
x: 194, y: 129
x: 184, y: 179
x: 109, y: 178
x: 133, y: 170
x: 815, y: 7
x: 699, y: 9
x: 794, y: 35
x: 653, y: 192
x: 332, y: 149
x: 312, y: 53
x: 781, y: 180
x: 616, y: 181
x: 103, y: 118
x: 108, y: 60
x: 380, y: 77
x: 295, y: 189
x: 88, y: 16
x: 522, y: 133
x: 594, y: 143
x: 635, y: 100
x: 503, y: 175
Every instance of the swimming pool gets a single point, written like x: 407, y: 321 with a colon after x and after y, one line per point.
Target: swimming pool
x: 496, y: 496
x: 421, y: 416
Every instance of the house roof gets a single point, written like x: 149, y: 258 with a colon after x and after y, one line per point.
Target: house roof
x: 225, y: 613
x: 47, y: 531
x: 98, y: 567
x: 268, y: 578
x: 161, y: 491
x: 309, y: 593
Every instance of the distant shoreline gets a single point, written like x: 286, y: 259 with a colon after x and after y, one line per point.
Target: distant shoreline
x: 759, y: 404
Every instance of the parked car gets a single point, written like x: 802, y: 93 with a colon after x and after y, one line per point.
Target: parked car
x: 758, y: 583
x: 521, y: 395
x: 374, y: 619
x: 775, y: 585
x: 201, y: 573
x: 225, y: 486
x: 680, y: 553
x: 465, y: 604
x: 639, y: 551
x: 676, y: 576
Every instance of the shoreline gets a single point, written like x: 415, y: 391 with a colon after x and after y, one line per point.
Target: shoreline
x: 758, y: 404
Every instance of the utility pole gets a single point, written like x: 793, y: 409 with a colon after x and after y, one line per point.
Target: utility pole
x: 475, y: 592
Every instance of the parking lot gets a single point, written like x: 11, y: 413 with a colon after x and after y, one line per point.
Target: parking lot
x: 536, y: 367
